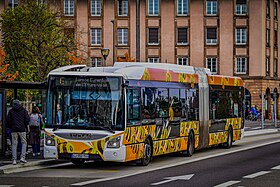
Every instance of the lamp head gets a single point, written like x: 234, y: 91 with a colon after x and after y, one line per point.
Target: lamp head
x: 105, y: 52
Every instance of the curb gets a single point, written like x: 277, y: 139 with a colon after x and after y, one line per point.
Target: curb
x: 23, y: 167
x: 260, y: 132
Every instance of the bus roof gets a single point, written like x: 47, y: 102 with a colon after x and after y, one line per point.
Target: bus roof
x: 151, y: 72
x: 224, y: 80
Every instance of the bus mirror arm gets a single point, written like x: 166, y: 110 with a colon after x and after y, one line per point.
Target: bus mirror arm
x: 125, y: 84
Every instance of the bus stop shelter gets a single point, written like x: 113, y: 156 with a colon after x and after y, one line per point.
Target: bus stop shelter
x: 15, y: 86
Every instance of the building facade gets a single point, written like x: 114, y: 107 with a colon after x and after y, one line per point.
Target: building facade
x: 230, y: 37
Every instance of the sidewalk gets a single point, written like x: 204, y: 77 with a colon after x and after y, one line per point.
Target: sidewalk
x: 252, y: 128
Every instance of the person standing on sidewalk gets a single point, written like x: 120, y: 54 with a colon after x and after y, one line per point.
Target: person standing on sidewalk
x: 35, y: 130
x: 18, y: 120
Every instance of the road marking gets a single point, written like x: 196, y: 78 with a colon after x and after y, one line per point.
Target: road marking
x: 6, y: 185
x: 229, y: 183
x: 175, y: 164
x: 170, y: 179
x: 276, y: 167
x: 256, y: 174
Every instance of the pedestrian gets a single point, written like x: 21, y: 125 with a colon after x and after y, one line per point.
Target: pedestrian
x: 35, y: 125
x: 18, y: 120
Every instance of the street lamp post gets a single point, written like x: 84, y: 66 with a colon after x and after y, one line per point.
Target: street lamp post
x: 113, y: 22
x: 105, y: 53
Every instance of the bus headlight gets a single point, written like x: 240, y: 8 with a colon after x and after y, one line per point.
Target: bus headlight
x: 49, y: 140
x: 114, y: 143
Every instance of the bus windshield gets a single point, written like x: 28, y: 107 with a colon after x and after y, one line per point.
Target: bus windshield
x: 83, y: 102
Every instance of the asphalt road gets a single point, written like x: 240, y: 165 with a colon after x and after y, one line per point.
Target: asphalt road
x: 243, y: 165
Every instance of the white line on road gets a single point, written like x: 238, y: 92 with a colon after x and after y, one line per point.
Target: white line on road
x: 7, y: 185
x: 176, y: 164
x: 276, y: 167
x: 162, y: 182
x: 256, y: 174
x: 229, y: 183
x: 170, y: 179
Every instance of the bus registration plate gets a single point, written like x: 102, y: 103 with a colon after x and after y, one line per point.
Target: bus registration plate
x: 79, y: 156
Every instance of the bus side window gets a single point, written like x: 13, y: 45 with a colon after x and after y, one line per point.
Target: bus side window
x: 175, y: 104
x: 148, y: 103
x: 133, y: 106
x: 162, y: 102
x: 183, y: 103
x: 192, y: 104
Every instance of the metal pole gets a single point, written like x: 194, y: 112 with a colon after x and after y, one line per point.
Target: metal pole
x: 113, y: 22
x: 274, y: 108
x: 137, y: 30
x: 262, y: 122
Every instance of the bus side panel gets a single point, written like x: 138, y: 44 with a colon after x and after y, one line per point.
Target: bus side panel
x: 237, y: 126
x: 134, y: 137
x: 221, y: 137
x: 134, y: 151
x: 169, y: 146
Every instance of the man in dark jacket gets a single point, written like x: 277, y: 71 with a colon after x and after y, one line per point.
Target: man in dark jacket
x: 18, y: 120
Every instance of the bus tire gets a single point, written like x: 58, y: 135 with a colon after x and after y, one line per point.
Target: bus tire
x: 190, y: 146
x: 78, y: 161
x: 147, y: 154
x: 228, y: 144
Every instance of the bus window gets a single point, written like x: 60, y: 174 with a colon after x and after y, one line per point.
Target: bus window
x: 175, y: 103
x: 148, y: 103
x: 133, y: 106
x: 183, y: 103
x: 162, y: 102
x: 192, y: 104
x: 224, y: 104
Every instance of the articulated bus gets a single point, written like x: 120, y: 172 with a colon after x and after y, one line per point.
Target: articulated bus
x: 135, y: 111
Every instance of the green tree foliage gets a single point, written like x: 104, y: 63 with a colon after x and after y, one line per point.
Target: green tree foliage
x: 35, y: 40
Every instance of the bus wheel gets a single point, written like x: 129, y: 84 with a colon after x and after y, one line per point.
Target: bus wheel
x: 190, y: 148
x: 147, y: 154
x: 229, y: 139
x: 78, y: 161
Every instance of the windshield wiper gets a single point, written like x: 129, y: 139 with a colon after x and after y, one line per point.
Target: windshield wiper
x: 58, y: 126
x: 106, y: 128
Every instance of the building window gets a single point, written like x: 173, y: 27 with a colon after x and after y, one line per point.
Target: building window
x: 69, y: 7
x: 122, y: 7
x: 211, y: 63
x: 96, y: 36
x: 211, y: 36
x: 241, y: 7
x: 182, y: 7
x: 96, y: 62
x: 211, y: 7
x: 241, y: 36
x: 95, y: 7
x: 153, y: 60
x: 12, y: 3
x: 122, y: 36
x: 267, y: 8
x: 183, y: 61
x: 267, y: 66
x: 241, y: 65
x: 275, y: 66
x: 153, y: 36
x: 153, y: 6
x: 267, y: 37
x: 275, y: 10
x: 182, y: 36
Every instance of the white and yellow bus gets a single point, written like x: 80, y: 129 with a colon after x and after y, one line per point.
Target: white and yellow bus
x: 134, y: 111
